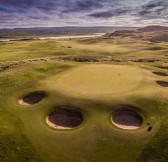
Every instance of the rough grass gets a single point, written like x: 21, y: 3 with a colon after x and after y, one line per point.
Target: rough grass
x: 118, y: 48
x: 154, y: 151
x: 14, y: 145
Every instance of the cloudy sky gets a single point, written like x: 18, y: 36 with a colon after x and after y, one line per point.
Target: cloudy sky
x: 51, y: 13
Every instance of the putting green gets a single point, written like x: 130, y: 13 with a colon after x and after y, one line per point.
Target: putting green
x: 89, y: 80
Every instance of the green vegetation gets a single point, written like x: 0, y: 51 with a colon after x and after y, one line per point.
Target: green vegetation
x: 127, y: 49
x: 97, y: 79
x: 93, y: 87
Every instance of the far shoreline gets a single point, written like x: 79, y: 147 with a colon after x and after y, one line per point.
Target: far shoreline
x: 55, y: 37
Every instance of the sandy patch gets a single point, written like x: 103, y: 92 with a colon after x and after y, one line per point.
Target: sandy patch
x: 160, y: 73
x: 127, y: 119
x: 162, y: 83
x: 64, y: 119
x: 31, y: 98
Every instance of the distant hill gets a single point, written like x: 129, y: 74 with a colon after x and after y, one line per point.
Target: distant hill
x: 9, y: 33
x: 153, y: 29
x: 123, y: 33
x: 149, y: 33
x: 160, y: 38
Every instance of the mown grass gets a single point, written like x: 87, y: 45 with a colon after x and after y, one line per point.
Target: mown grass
x: 96, y: 80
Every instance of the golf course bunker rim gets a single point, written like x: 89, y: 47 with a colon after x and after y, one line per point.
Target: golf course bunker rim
x: 32, y: 98
x: 65, y: 118
x: 162, y: 83
x: 126, y: 118
x: 160, y: 73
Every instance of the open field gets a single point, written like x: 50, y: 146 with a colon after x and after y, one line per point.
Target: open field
x: 115, y: 48
x: 94, y: 89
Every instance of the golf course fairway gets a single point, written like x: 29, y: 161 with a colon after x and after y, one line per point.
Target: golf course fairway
x: 58, y: 109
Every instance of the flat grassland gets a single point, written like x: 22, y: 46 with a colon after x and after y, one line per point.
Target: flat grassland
x: 93, y: 75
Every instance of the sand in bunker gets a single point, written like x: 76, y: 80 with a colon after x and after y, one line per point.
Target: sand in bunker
x: 127, y: 119
x: 162, y: 83
x: 31, y: 98
x: 64, y: 119
x: 160, y: 73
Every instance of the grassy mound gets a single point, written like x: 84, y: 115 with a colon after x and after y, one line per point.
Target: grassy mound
x: 94, y: 80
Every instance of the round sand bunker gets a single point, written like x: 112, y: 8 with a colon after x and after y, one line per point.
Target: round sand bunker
x: 31, y: 98
x: 160, y: 73
x: 127, y: 119
x: 162, y: 83
x: 64, y: 119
